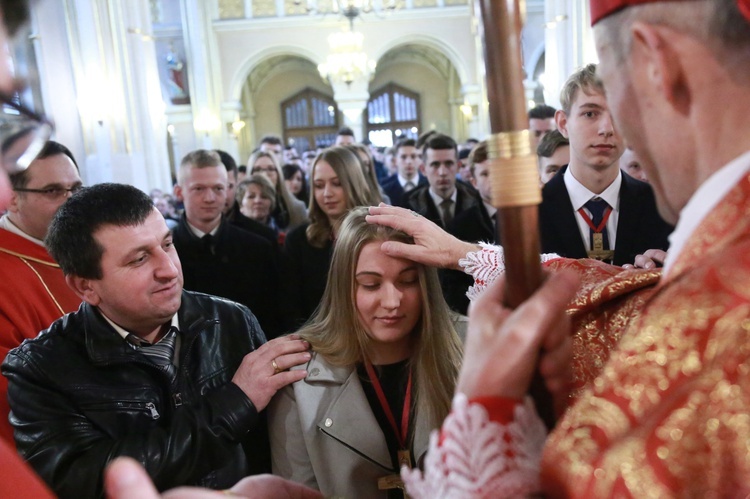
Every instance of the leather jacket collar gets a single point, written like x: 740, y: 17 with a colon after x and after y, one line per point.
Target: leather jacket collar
x: 105, y: 346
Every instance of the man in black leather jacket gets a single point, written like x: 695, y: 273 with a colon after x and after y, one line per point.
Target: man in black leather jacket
x: 88, y: 389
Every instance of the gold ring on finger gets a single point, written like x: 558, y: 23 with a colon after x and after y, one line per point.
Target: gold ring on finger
x: 276, y: 368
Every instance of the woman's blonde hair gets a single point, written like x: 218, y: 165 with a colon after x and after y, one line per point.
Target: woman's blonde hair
x: 368, y: 170
x: 347, y: 167
x: 336, y: 333
x: 283, y: 196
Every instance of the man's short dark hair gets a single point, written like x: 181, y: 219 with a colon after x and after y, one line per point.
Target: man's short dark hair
x: 404, y: 143
x: 227, y: 160
x: 242, y: 169
x: 345, y: 131
x: 70, y: 238
x: 550, y: 142
x: 438, y: 142
x: 51, y: 148
x: 542, y: 112
x: 271, y: 139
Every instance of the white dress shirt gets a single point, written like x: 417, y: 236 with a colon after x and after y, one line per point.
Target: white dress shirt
x: 580, y: 195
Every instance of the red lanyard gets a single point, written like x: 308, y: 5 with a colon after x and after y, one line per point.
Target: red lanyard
x: 400, y: 435
x: 590, y: 223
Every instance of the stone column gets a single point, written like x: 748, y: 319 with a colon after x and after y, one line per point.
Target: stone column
x: 113, y: 62
x: 568, y: 41
x: 203, y: 72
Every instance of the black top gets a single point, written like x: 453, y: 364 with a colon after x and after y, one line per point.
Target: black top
x: 236, y: 265
x: 393, y: 379
x: 236, y: 218
x: 305, y: 275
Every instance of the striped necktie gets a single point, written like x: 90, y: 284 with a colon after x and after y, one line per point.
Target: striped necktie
x: 161, y: 352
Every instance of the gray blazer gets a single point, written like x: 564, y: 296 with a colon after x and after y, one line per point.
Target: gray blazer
x: 324, y: 434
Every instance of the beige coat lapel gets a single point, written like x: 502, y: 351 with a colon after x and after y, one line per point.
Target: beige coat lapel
x: 347, y: 422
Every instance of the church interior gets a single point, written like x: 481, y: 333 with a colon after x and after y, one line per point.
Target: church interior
x: 133, y: 85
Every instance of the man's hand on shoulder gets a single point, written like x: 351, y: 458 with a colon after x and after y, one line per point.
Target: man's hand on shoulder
x: 266, y: 370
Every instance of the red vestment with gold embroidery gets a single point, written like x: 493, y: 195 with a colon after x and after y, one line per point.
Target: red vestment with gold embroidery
x: 665, y: 414
x: 669, y: 416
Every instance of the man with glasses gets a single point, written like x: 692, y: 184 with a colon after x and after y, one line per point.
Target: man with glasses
x: 34, y: 292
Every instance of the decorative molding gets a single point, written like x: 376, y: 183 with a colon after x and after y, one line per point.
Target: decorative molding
x: 330, y: 21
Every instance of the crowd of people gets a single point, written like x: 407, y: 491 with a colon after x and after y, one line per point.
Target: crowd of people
x: 297, y: 327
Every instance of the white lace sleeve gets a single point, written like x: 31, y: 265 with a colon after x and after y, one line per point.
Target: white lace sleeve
x: 479, y: 458
x: 487, y: 264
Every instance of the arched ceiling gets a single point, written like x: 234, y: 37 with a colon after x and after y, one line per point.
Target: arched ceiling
x: 272, y: 66
x: 417, y: 54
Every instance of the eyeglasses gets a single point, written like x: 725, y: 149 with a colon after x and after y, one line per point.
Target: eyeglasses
x: 23, y: 134
x: 53, y: 193
x: 267, y: 169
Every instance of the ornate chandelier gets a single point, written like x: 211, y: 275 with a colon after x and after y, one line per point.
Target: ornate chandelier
x: 347, y: 61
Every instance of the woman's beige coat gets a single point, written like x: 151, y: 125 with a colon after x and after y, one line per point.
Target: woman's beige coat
x: 324, y: 434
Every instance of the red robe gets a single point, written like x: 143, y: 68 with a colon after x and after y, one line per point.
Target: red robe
x: 669, y: 416
x: 664, y: 380
x: 17, y: 479
x: 33, y: 295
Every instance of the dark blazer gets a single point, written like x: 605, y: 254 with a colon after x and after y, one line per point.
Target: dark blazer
x: 473, y: 225
x: 420, y: 201
x: 241, y: 267
x: 639, y: 226
x: 453, y: 282
x: 305, y: 275
x: 395, y: 192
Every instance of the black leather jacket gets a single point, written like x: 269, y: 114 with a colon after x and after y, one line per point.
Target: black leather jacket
x: 81, y: 396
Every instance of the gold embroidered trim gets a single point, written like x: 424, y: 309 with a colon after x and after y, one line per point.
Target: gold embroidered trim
x: 30, y: 258
x: 62, y: 312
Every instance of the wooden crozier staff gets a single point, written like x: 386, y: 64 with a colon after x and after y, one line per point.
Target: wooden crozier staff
x: 513, y: 163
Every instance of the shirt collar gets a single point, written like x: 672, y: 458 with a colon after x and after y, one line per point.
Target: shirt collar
x: 199, y: 233
x: 175, y: 322
x: 438, y: 199
x: 703, y: 201
x: 580, y: 195
x: 403, y: 181
x: 6, y: 224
